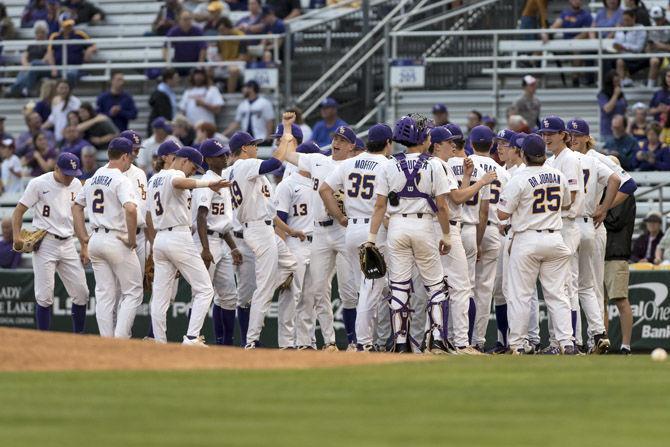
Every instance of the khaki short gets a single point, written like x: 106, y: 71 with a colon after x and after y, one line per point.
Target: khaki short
x: 616, y: 279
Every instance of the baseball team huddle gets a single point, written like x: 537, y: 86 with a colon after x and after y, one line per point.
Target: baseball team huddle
x: 452, y: 233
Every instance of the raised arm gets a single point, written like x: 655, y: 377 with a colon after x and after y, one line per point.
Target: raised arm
x: 328, y: 196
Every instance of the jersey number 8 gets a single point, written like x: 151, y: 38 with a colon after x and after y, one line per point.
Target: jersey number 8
x: 547, y: 199
x: 362, y: 185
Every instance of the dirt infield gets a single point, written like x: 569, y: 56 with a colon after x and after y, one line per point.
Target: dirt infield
x: 30, y: 350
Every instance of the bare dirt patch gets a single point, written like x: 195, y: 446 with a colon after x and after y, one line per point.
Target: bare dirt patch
x: 31, y: 350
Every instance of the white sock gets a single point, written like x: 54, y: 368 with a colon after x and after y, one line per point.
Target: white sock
x: 625, y: 347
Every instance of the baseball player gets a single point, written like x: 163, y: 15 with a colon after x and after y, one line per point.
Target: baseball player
x: 357, y: 177
x: 174, y: 250
x: 292, y: 200
x: 552, y: 129
x: 412, y: 189
x: 212, y: 218
x: 533, y: 200
x: 474, y: 211
x: 51, y: 196
x: 328, y: 241
x: 482, y: 139
x: 112, y: 207
x: 251, y: 194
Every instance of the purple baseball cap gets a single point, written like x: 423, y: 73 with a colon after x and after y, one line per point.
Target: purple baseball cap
x: 506, y: 135
x: 308, y: 148
x: 241, y: 139
x: 440, y: 108
x: 486, y: 119
x: 168, y: 147
x: 533, y: 145
x: 481, y: 134
x: 161, y: 123
x: 518, y: 139
x: 121, y: 144
x: 329, y: 102
x: 359, y: 144
x: 455, y: 131
x: 346, y: 133
x: 192, y: 155
x: 69, y: 164
x: 296, y: 131
x: 551, y: 123
x: 440, y: 134
x: 578, y: 126
x: 379, y: 133
x: 213, y: 148
x: 133, y: 136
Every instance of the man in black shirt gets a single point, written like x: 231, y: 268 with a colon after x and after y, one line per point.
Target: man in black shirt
x: 27, y: 79
x: 285, y: 9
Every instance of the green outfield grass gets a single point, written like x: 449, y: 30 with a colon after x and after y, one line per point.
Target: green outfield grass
x: 493, y: 401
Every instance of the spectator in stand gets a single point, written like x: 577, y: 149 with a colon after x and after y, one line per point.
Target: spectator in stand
x: 644, y: 247
x: 517, y: 123
x: 630, y: 42
x: 285, y: 9
x: 189, y: 52
x: 612, y: 102
x: 304, y: 127
x: 4, y: 135
x: 323, y: 131
x: 34, y: 56
x: 166, y: 18
x: 47, y: 95
x: 73, y: 118
x: 474, y: 119
x: 117, y: 104
x: 10, y: 169
x: 183, y: 130
x: 609, y: 16
x: 35, y: 11
x: 440, y: 116
x: 255, y: 115
x: 97, y: 128
x: 202, y: 101
x: 64, y: 103
x: 227, y: 50
x: 34, y: 124
x: 663, y: 250
x: 534, y: 16
x: 161, y: 132
x: 661, y: 99
x: 237, y: 5
x: 637, y: 127
x: 9, y: 259
x: 7, y: 31
x: 42, y: 158
x: 528, y: 106
x: 205, y: 131
x: 89, y: 163
x: 163, y: 101
x: 252, y: 23
x: 652, y: 154
x: 273, y: 25
x: 85, y: 13
x: 641, y: 12
x: 209, y: 14
x: 573, y: 18
x: 621, y: 144
x: 77, y: 54
x: 659, y: 42
x: 72, y: 141
x: 665, y: 133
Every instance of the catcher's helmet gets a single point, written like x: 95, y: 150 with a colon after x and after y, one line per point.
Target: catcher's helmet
x: 412, y: 130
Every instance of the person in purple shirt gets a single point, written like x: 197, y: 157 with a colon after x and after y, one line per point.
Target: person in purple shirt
x: 89, y: 164
x: 237, y: 5
x: 609, y: 16
x: 42, y: 158
x: 652, y: 155
x: 9, y: 259
x: 252, y: 23
x: 117, y: 104
x: 76, y: 54
x: 611, y: 101
x: 661, y: 100
x: 185, y: 52
x: 322, y: 134
x: 73, y: 142
x: 34, y: 123
x: 35, y: 10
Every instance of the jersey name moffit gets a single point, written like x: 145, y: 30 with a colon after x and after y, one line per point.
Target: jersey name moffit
x: 101, y: 180
x: 367, y: 165
x: 545, y: 178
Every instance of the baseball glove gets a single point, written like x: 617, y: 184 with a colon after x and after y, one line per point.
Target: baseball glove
x: 286, y: 284
x: 339, y: 197
x: 372, y: 262
x: 31, y: 241
x: 149, y: 273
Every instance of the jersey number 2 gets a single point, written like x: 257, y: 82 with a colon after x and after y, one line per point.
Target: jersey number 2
x: 98, y: 204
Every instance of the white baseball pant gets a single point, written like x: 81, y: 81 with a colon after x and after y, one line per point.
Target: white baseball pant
x: 115, y: 265
x: 469, y: 241
x: 586, y: 287
x: 545, y: 254
x: 245, y: 273
x: 221, y: 271
x: 287, y: 265
x: 301, y: 251
x: 175, y: 251
x: 485, y: 275
x: 599, y: 266
x: 58, y: 256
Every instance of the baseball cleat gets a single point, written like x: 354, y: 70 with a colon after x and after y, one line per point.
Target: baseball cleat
x: 198, y: 341
x: 351, y: 347
x: 287, y: 348
x: 366, y: 348
x: 498, y: 349
x: 438, y: 347
x: 330, y: 347
x: 570, y: 350
x: 624, y: 351
x: 601, y: 344
x: 551, y: 350
x: 467, y: 350
x: 400, y: 348
x: 305, y: 348
x: 251, y: 345
x: 518, y: 351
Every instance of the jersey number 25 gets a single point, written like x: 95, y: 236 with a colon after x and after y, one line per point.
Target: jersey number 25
x: 547, y: 199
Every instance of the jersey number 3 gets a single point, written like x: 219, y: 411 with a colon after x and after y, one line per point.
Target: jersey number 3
x: 159, y: 205
x: 547, y: 199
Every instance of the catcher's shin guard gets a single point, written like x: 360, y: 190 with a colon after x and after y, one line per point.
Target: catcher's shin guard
x: 400, y: 314
x: 438, y: 313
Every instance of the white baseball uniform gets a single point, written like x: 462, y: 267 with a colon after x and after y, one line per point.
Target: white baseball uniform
x: 51, y: 203
x: 357, y: 177
x: 407, y: 245
x: 103, y: 197
x: 534, y: 199
x: 251, y: 196
x: 174, y: 250
x: 138, y: 179
x: 293, y: 197
x: 490, y: 250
